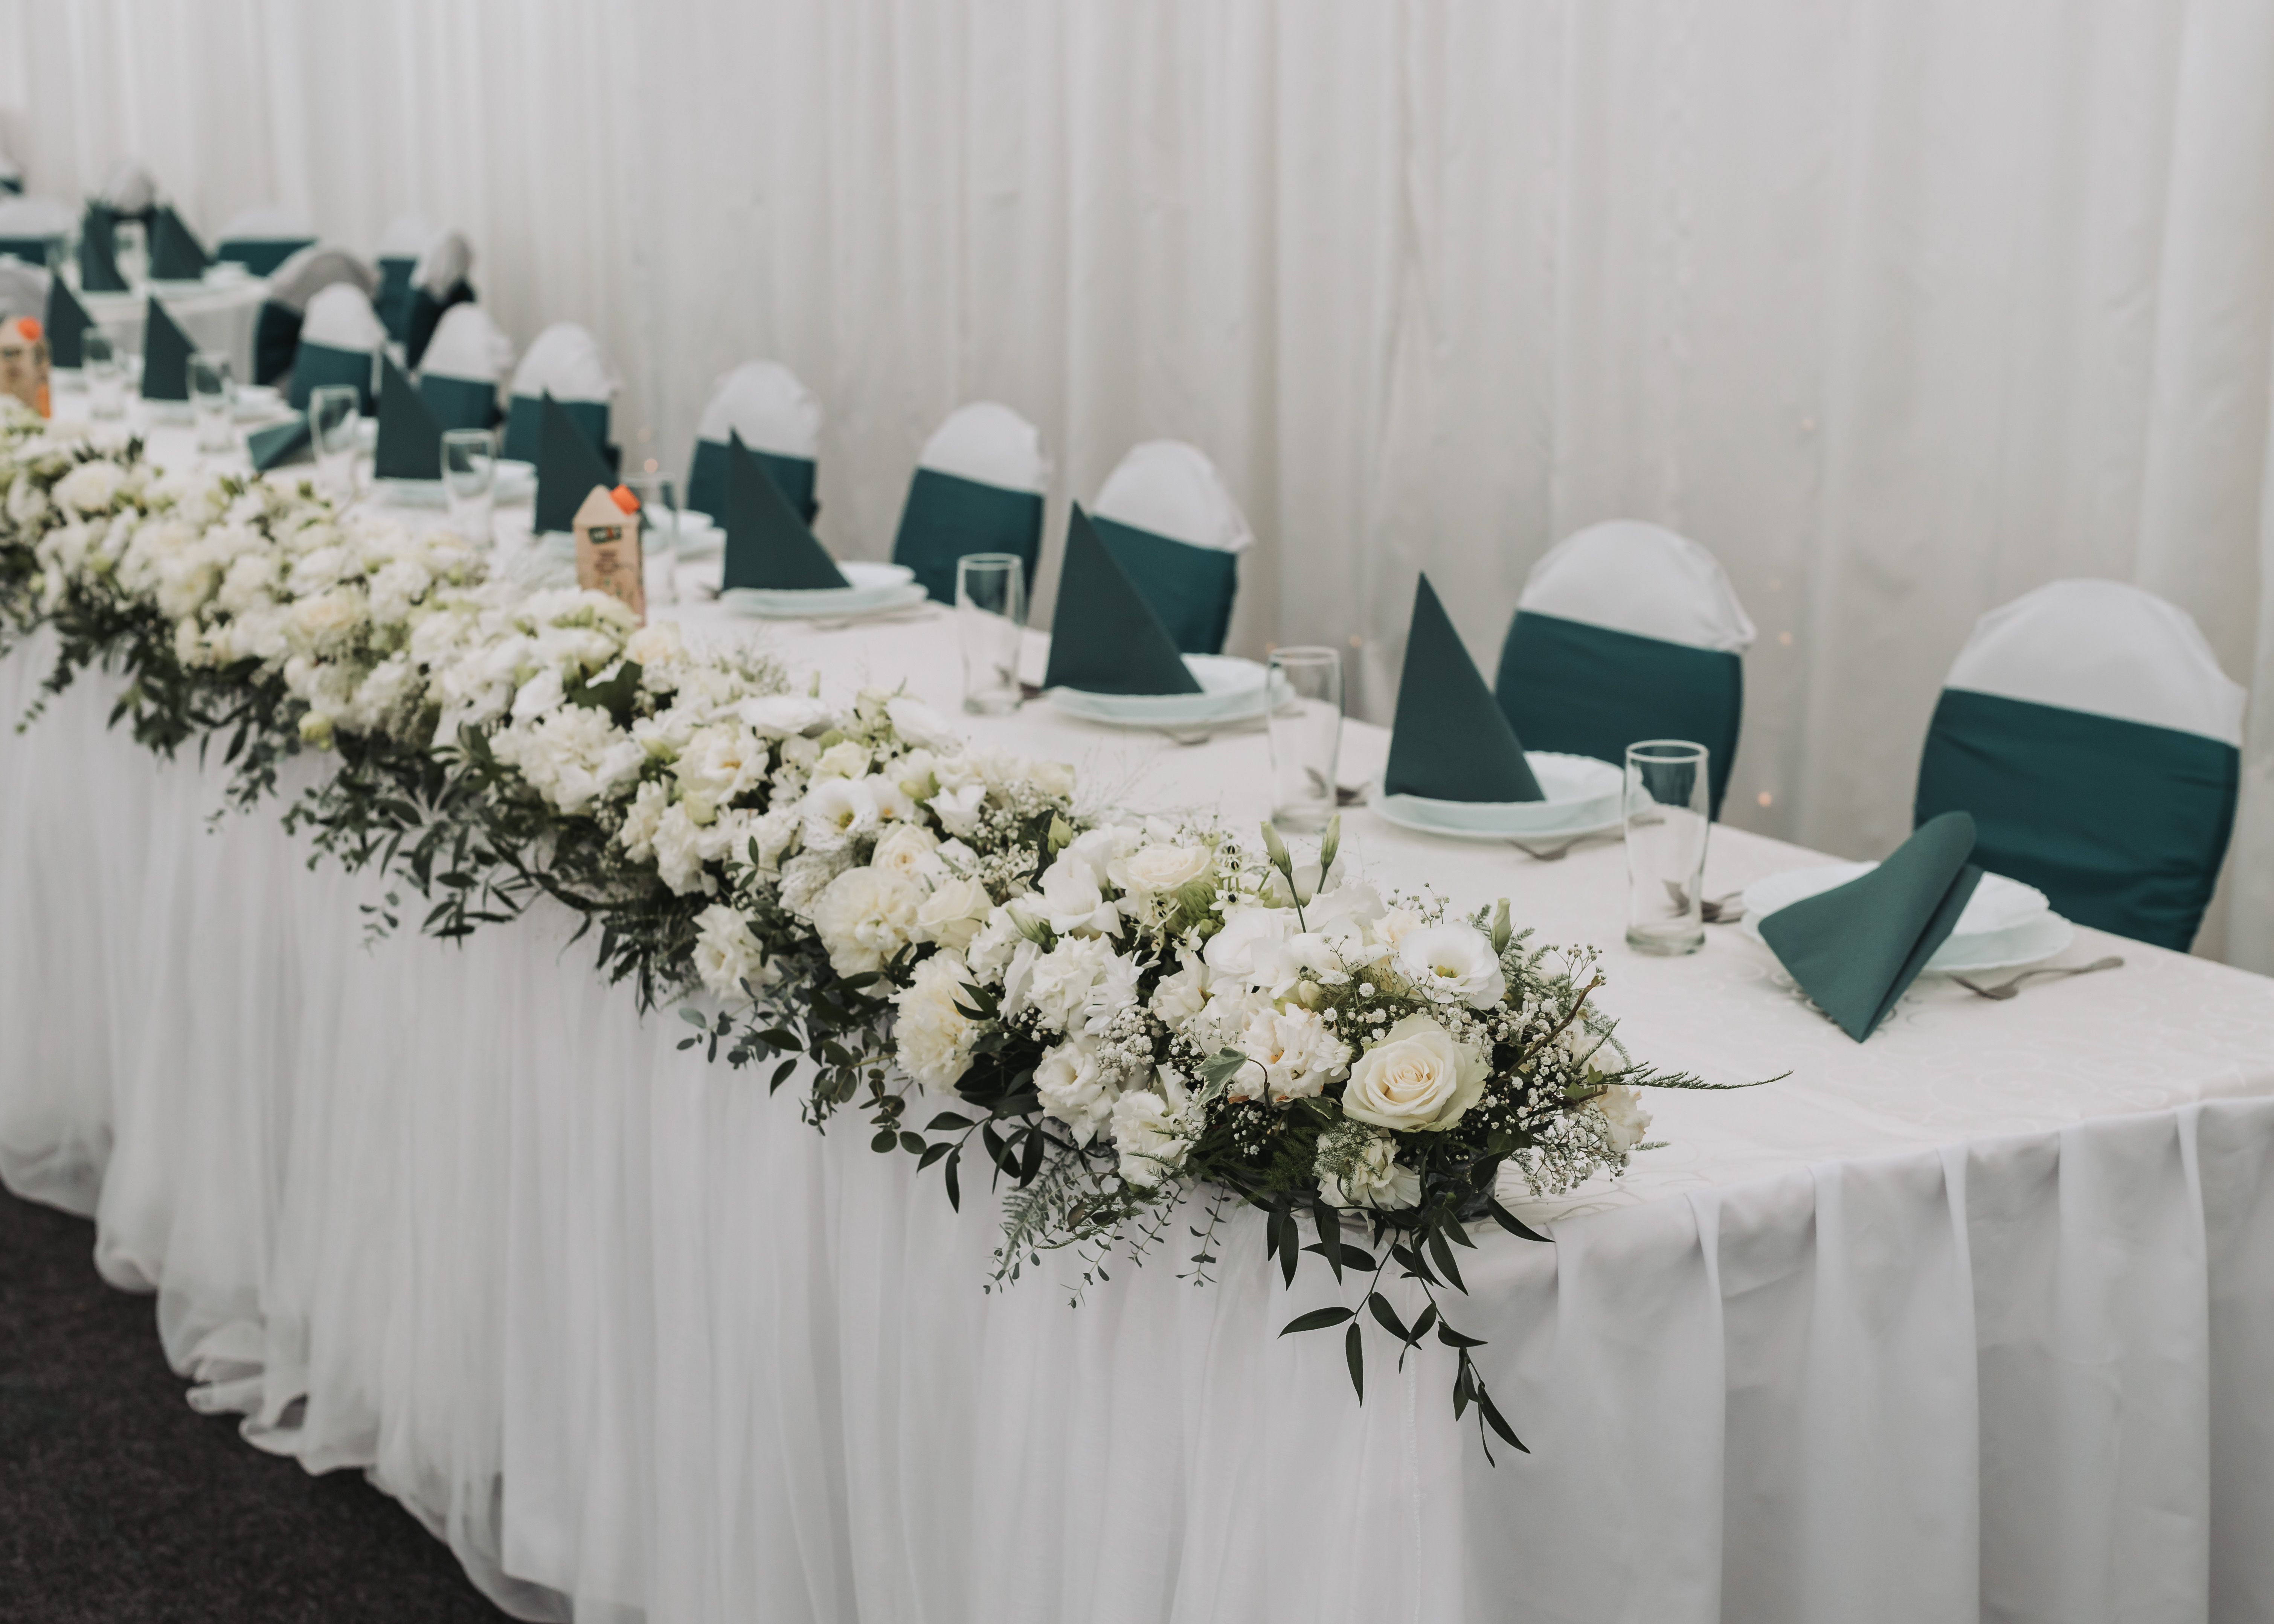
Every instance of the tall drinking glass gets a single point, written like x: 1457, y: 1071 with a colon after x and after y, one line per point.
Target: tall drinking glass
x: 659, y: 508
x: 105, y: 374
x: 213, y: 402
x: 331, y: 425
x: 470, y: 481
x: 991, y: 619
x: 1306, y: 734
x: 1667, y: 822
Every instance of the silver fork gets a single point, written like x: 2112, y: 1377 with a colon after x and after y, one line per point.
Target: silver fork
x: 2013, y: 988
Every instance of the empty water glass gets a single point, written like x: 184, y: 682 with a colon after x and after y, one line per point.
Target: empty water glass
x: 991, y: 619
x: 213, y: 402
x: 104, y: 372
x: 470, y: 481
x: 1306, y: 734
x: 332, y: 422
x: 1667, y: 821
x: 658, y: 509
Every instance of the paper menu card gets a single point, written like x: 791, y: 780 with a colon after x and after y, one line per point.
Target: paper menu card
x: 607, y: 531
x: 24, y: 363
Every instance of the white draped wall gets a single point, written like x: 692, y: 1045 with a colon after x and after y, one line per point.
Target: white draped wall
x: 1902, y: 307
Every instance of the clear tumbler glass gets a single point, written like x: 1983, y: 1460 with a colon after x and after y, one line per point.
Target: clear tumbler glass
x: 213, y: 402
x: 1667, y: 822
x: 991, y: 620
x: 1306, y: 735
x: 105, y: 374
x: 332, y: 422
x: 469, y: 482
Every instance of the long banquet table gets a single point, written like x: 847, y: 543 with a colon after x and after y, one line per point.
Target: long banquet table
x: 1973, y: 1320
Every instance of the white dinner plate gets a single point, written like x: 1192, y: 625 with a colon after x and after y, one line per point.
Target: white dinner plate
x: 515, y: 480
x: 2006, y: 925
x: 1232, y: 690
x: 1582, y: 797
x: 261, y: 399
x: 870, y: 589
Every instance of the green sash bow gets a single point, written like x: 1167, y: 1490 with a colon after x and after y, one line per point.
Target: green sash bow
x: 316, y: 366
x: 1190, y: 588
x: 40, y: 251
x: 568, y: 465
x: 524, y: 427
x: 271, y: 446
x: 707, y: 480
x: 426, y: 314
x: 459, y: 402
x: 948, y: 517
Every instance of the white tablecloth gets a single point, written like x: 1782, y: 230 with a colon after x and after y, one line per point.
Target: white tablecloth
x: 223, y: 317
x: 1975, y: 1320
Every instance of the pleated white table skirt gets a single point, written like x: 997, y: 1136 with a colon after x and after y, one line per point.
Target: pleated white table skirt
x: 632, y: 1338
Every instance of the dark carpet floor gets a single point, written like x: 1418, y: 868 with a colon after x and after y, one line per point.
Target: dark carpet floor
x: 119, y: 1503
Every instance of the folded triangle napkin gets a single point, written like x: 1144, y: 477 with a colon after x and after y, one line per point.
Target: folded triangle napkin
x: 67, y: 324
x: 166, y: 351
x: 768, y: 545
x: 98, y: 252
x: 409, y: 438
x: 1854, y: 949
x: 1104, y: 637
x: 176, y: 254
x: 270, y: 446
x: 568, y: 468
x: 1450, y: 740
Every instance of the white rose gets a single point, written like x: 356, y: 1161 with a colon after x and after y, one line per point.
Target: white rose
x: 1417, y: 1080
x: 725, y: 953
x: 659, y: 644
x: 1070, y: 902
x: 919, y: 724
x: 1150, y: 1138
x: 781, y: 715
x: 952, y: 913
x: 930, y: 1036
x: 837, y: 810
x: 1074, y: 1090
x: 842, y: 760
x: 958, y: 810
x: 1297, y: 1054
x: 1373, y: 1179
x: 1626, y: 1121
x: 1160, y: 868
x: 910, y: 851
x: 863, y: 917
x: 1452, y: 964
x: 319, y: 624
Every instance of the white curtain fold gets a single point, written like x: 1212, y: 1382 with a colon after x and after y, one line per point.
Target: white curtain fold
x: 1901, y: 307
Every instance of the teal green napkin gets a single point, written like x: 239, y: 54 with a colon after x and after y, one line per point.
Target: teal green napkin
x: 1450, y: 740
x: 176, y: 254
x: 1104, y: 637
x: 98, y: 252
x: 271, y: 446
x: 166, y: 351
x: 409, y: 440
x: 767, y: 544
x: 568, y: 468
x: 67, y: 323
x: 1855, y: 948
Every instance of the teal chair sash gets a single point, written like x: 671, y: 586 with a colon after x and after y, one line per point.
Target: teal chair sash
x: 1190, y: 588
x: 1588, y: 690
x: 707, y: 480
x: 262, y: 255
x: 275, y: 342
x: 2121, y: 823
x: 316, y: 365
x: 427, y: 313
x: 524, y: 426
x: 948, y: 517
x: 392, y: 302
x: 40, y: 251
x: 460, y: 402
x: 98, y: 252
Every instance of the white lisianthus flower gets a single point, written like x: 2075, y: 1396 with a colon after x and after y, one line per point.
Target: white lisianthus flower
x: 1626, y: 1121
x: 1297, y: 1053
x: 958, y: 810
x: 1373, y: 1179
x: 541, y: 693
x: 1070, y: 902
x: 931, y: 1038
x: 572, y: 755
x: 910, y: 851
x: 26, y: 501
x: 249, y: 584
x: 893, y: 803
x: 90, y: 487
x: 678, y: 847
x: 782, y: 716
x: 1393, y: 926
x: 1452, y: 964
x: 990, y: 951
x: 863, y: 917
x: 1242, y: 950
x: 1151, y: 1136
x: 1180, y: 996
x: 1074, y: 1090
x: 774, y: 831
x: 1417, y: 1080
x: 725, y: 953
x: 835, y: 812
x: 1153, y: 868
x: 919, y: 724
x: 842, y: 760
x: 805, y: 877
x: 643, y: 819
x: 952, y: 913
x: 184, y: 581
x: 718, y: 763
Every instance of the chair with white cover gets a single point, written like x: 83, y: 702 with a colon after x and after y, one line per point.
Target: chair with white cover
x: 437, y: 283
x: 34, y: 229
x: 11, y: 177
x: 1626, y: 631
x: 261, y: 239
x: 276, y: 333
x: 1171, y: 522
x: 407, y: 238
x: 23, y: 291
x: 340, y: 342
x: 2089, y: 729
x: 776, y: 415
x: 466, y: 360
x: 566, y: 363
x: 130, y: 191
x: 978, y: 488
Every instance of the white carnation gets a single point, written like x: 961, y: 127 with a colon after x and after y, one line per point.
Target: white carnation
x: 863, y: 917
x: 725, y: 953
x: 1373, y: 1179
x: 1151, y: 1138
x: 1074, y: 1090
x: 931, y: 1037
x: 1296, y: 1054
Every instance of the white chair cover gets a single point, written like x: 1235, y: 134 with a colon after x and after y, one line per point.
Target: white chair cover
x: 11, y: 171
x: 23, y: 290
x: 566, y: 363
x: 130, y: 188
x: 467, y: 344
x: 445, y: 264
x: 1171, y: 489
x: 769, y: 407
x: 406, y: 238
x: 1635, y: 578
x: 35, y: 217
x: 341, y: 317
x: 265, y: 225
x: 316, y: 267
x: 990, y: 444
x: 2107, y: 649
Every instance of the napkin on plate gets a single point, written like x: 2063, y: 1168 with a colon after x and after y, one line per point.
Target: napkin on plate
x: 409, y: 438
x: 176, y: 254
x: 277, y: 444
x: 166, y: 351
x: 568, y: 468
x: 1855, y: 948
x: 1104, y: 637
x: 98, y: 252
x: 1450, y: 740
x: 768, y: 545
x: 67, y: 323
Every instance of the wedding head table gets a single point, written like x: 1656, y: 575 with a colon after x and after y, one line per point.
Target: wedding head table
x: 1974, y: 1319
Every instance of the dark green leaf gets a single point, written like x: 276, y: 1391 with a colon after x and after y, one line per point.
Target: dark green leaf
x: 1318, y: 1320
x: 1452, y: 1338
x: 1354, y: 1355
x: 1387, y: 1315
x: 1515, y: 1226
x: 954, y: 1195
x: 1493, y: 1416
x: 912, y: 1144
x: 1443, y: 1255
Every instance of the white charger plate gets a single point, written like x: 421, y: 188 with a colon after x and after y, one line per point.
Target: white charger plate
x: 870, y: 589
x: 2005, y: 926
x: 1582, y: 798
x: 1232, y: 689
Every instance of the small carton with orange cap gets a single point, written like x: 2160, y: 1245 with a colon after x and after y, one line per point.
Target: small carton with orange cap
x: 24, y: 363
x: 607, y: 530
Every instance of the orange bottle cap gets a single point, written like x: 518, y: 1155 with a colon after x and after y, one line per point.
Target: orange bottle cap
x: 28, y: 327
x: 623, y: 498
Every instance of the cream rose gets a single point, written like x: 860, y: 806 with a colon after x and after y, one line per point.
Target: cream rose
x: 952, y: 914
x: 1417, y: 1080
x: 1152, y: 869
x: 909, y: 851
x: 1626, y: 1121
x: 842, y: 760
